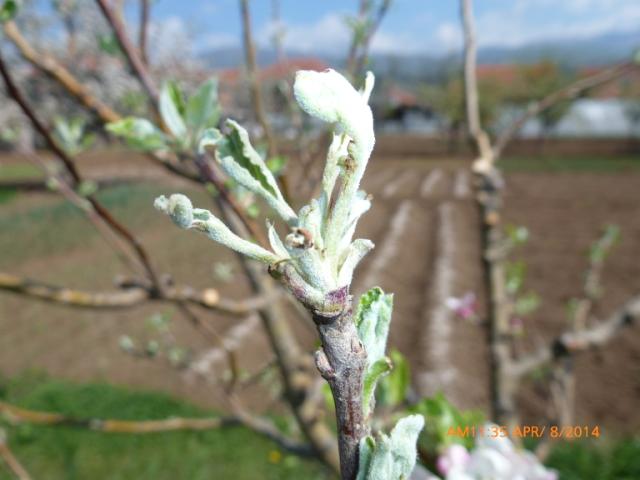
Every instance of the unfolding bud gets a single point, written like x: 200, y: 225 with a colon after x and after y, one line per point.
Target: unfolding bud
x: 178, y: 207
x: 330, y: 97
x: 393, y: 456
x: 181, y: 211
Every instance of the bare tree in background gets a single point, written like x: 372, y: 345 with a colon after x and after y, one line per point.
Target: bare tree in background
x: 507, y: 370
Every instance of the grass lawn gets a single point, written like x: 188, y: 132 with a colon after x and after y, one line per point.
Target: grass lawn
x: 68, y: 453
x: 20, y: 171
x: 55, y: 225
x: 605, y: 459
x: 233, y: 453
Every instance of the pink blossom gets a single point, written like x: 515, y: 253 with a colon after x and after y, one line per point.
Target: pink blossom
x: 464, y: 307
x: 455, y: 456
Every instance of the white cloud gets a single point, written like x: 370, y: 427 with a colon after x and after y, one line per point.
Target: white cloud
x: 569, y: 20
x: 449, y: 36
x: 329, y: 34
x: 218, y: 40
x: 518, y: 23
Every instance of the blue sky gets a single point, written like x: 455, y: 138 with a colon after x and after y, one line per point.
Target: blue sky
x: 412, y: 25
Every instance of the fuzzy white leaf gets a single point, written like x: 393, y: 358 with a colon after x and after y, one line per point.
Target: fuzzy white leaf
x: 241, y: 162
x: 312, y: 267
x: 367, y: 449
x: 372, y: 320
x: 359, y: 206
x: 181, y: 211
x: 276, y: 244
x: 391, y: 457
x: 310, y: 219
x: 337, y: 153
x: 369, y: 82
x: 209, y: 138
x: 404, y: 438
x: 330, y: 97
x: 356, y: 252
x: 178, y: 207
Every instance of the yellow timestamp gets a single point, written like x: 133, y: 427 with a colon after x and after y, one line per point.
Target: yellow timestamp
x: 524, y: 431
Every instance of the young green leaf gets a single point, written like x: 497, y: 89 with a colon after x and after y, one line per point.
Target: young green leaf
x: 171, y: 104
x: 276, y: 164
x: 177, y: 96
x: 109, y: 44
x: 245, y: 155
x: 202, y: 110
x: 241, y: 162
x: 372, y: 320
x: 374, y: 373
x: 526, y: 304
x: 392, y: 389
x: 391, y: 457
x: 515, y: 273
x: 9, y: 9
x: 603, y: 246
x: 139, y: 133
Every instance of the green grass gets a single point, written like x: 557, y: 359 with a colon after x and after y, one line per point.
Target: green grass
x: 59, y: 226
x: 19, y: 171
x: 599, y: 459
x: 68, y: 453
x: 54, y: 453
x: 570, y: 164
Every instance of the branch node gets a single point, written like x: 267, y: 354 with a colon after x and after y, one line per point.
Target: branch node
x: 323, y: 365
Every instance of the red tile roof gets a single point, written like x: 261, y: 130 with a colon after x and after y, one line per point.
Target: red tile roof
x: 499, y: 73
x: 275, y: 71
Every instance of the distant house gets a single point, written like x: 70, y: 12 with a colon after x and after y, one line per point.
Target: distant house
x: 592, y: 117
x: 399, y: 110
x: 610, y: 110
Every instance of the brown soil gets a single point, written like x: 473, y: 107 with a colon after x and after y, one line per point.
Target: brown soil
x: 563, y: 212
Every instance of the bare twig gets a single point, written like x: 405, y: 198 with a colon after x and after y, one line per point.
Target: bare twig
x: 489, y: 202
x: 133, y: 57
x: 295, y: 374
x: 256, y: 89
x: 131, y: 295
x: 257, y: 424
x: 67, y: 80
x: 54, y: 69
x: 11, y: 460
x: 278, y: 34
x: 569, y: 92
x: 570, y: 342
x: 69, y: 164
x: 254, y: 80
x: 471, y: 83
x: 142, y: 34
x: 283, y: 343
x: 113, y: 240
x: 359, y: 49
